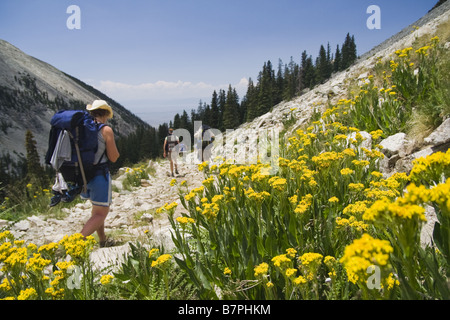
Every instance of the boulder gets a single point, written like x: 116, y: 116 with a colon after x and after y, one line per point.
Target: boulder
x: 22, y: 225
x: 36, y: 221
x: 395, y: 144
x: 439, y: 136
x: 405, y: 164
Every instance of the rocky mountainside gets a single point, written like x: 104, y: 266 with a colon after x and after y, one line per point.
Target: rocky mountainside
x: 31, y: 91
x: 301, y: 109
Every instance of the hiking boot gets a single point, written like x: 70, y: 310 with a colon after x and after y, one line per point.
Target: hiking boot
x: 176, y: 171
x: 108, y: 243
x: 55, y: 200
x: 172, y: 175
x: 71, y: 194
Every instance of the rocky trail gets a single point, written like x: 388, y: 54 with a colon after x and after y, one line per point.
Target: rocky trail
x: 132, y: 215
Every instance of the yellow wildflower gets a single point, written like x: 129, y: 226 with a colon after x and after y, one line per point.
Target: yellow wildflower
x: 352, y: 223
x: 333, y: 200
x: 346, y: 171
x: 106, y: 279
x: 152, y: 252
x: 363, y: 253
x: 278, y: 183
x: 291, y: 252
x: 304, y: 204
x: 162, y: 260
x: 311, y: 258
x: 261, y: 270
x: 184, y: 220
x: 300, y: 280
x: 37, y: 263
x: 281, y: 261
x: 27, y: 294
x: 203, y: 165
x: 293, y: 199
x: 290, y: 272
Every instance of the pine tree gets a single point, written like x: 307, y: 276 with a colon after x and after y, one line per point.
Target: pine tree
x: 221, y: 104
x: 329, y: 62
x: 207, y: 115
x: 214, y: 122
x: 176, y: 121
x: 353, y: 51
x: 35, y: 172
x: 349, y: 53
x: 291, y: 80
x: 266, y: 89
x: 308, y: 71
x: 231, y: 112
x: 251, y: 101
x: 337, y: 60
x: 321, y: 66
x: 279, y: 83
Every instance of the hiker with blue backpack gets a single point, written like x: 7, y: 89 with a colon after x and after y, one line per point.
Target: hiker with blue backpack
x: 99, y: 189
x: 80, y: 147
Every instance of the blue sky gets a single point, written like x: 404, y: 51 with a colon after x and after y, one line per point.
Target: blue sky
x: 159, y: 57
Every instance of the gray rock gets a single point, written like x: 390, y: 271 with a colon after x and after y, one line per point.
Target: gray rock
x: 23, y: 225
x: 4, y: 223
x: 147, y: 217
x: 394, y: 144
x: 36, y: 221
x: 405, y: 164
x: 439, y: 136
x: 426, y: 234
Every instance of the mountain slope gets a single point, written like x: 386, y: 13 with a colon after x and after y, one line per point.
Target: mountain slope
x: 291, y: 115
x: 31, y: 91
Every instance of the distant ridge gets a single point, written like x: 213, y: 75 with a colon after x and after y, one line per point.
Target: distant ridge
x: 31, y: 91
x: 438, y: 9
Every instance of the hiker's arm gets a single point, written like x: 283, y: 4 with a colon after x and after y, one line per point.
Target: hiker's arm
x: 164, y: 147
x: 111, y: 148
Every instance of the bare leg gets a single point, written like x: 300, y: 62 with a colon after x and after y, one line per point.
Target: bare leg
x: 96, y: 222
x: 171, y: 162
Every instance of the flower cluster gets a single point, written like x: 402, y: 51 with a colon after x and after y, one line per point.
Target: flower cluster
x: 168, y: 207
x: 363, y: 253
x: 32, y: 272
x: 161, y: 261
x: 77, y: 246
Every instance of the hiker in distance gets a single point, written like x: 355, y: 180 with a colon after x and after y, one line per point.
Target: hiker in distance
x: 169, y: 144
x: 99, y: 189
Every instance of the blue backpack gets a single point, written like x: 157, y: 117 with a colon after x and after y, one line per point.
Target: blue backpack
x: 83, y: 132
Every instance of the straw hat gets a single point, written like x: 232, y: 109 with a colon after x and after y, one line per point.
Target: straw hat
x: 100, y: 104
